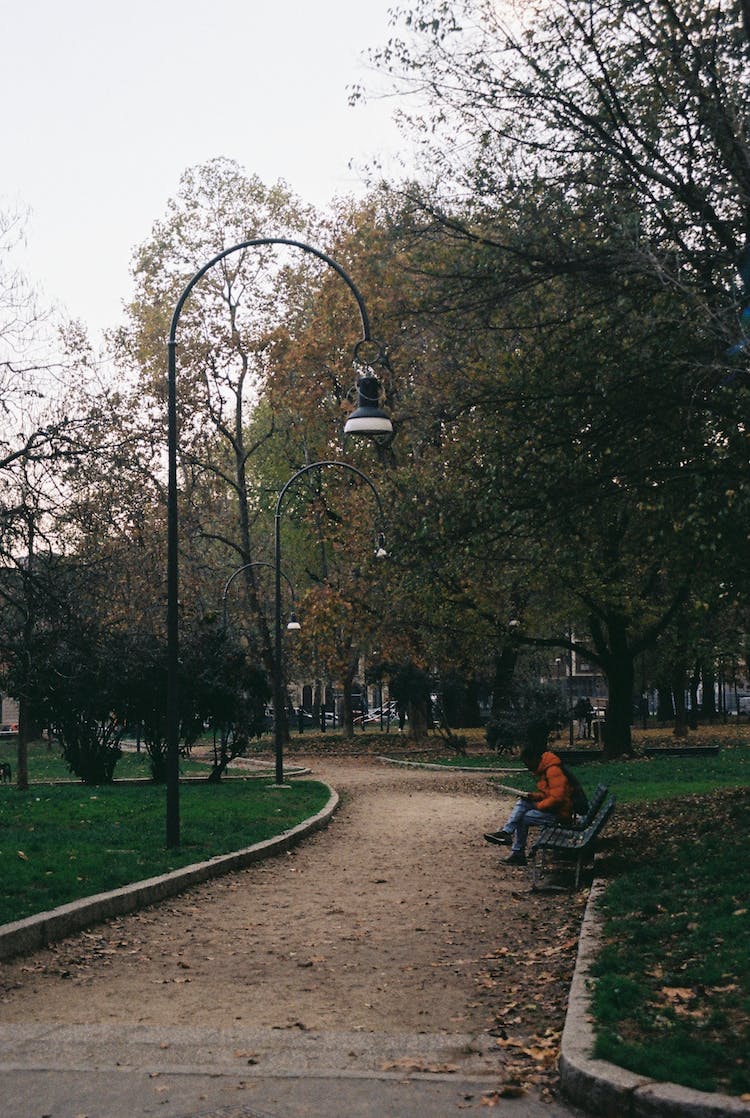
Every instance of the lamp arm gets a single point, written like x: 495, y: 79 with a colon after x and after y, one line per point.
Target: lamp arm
x: 172, y: 783
x: 333, y: 463
x: 259, y: 242
x: 245, y: 567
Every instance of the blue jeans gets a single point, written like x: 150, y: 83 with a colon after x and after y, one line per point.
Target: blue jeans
x: 523, y: 816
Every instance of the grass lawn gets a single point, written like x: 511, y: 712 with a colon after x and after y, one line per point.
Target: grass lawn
x: 45, y: 763
x: 672, y: 997
x: 658, y: 778
x: 59, y: 843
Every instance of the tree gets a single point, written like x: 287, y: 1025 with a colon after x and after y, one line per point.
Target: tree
x: 227, y: 329
x: 637, y: 110
x: 64, y: 668
x: 41, y: 434
x: 589, y: 191
x: 410, y: 686
x: 341, y: 610
x: 221, y: 688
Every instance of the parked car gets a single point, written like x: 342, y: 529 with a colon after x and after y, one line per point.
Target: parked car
x: 389, y: 712
x: 8, y: 729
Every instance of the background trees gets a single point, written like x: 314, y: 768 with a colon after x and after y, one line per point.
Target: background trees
x: 563, y: 293
x: 578, y: 234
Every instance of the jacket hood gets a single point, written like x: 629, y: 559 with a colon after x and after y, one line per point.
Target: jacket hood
x: 548, y: 759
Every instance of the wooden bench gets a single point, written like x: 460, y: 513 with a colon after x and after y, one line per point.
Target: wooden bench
x: 575, y: 843
x: 596, y: 801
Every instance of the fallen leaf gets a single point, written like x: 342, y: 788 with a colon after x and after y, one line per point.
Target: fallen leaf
x: 512, y: 1091
x: 677, y: 993
x: 509, y: 1042
x: 409, y: 1063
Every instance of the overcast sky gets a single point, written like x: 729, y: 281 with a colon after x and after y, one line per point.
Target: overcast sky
x: 105, y: 105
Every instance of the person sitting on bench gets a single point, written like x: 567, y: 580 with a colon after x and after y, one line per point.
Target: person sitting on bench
x: 550, y: 803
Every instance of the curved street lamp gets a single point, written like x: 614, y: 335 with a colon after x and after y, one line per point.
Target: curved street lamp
x: 278, y: 676
x: 292, y: 624
x: 371, y: 420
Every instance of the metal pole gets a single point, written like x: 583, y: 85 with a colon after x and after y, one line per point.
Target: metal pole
x: 570, y: 680
x: 278, y: 721
x: 173, y: 730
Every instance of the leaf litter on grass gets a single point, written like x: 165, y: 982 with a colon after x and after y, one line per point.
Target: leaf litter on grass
x: 672, y: 995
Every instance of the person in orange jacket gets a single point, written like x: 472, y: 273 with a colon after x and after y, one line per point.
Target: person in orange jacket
x: 552, y: 801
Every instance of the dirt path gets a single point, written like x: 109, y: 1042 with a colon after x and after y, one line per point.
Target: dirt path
x: 398, y: 918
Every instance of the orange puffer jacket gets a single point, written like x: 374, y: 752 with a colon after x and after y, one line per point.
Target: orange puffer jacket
x: 553, y: 790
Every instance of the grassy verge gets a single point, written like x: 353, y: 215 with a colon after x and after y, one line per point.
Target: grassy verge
x: 45, y: 763
x: 642, y: 780
x: 672, y: 997
x: 61, y: 843
x: 659, y: 778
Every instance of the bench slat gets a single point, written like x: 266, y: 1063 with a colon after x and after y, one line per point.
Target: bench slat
x: 557, y: 837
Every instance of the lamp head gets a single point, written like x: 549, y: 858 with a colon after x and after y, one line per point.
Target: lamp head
x: 368, y: 418
x: 293, y: 624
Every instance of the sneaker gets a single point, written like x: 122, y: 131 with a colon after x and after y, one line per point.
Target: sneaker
x: 500, y: 838
x: 517, y: 858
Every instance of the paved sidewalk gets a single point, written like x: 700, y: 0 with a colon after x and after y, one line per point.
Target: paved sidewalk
x: 102, y: 1072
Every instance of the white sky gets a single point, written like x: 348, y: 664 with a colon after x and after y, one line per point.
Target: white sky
x: 105, y: 105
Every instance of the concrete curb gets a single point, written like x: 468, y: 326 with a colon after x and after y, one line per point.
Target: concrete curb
x: 445, y: 768
x: 24, y: 936
x: 605, y: 1089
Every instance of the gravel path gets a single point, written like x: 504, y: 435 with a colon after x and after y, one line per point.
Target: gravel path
x: 398, y: 919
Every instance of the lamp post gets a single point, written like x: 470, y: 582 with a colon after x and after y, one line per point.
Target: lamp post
x: 292, y: 624
x: 371, y: 420
x: 278, y: 675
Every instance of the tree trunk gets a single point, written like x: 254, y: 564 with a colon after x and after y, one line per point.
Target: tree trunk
x: 22, y: 771
x: 694, y: 681
x: 618, y: 662
x: 505, y: 666
x: 665, y: 703
x: 347, y: 713
x: 708, y: 707
x: 680, y: 708
x: 621, y: 681
x: 417, y: 712
x: 317, y: 703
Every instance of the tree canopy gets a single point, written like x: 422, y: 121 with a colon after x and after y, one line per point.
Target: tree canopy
x: 563, y: 291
